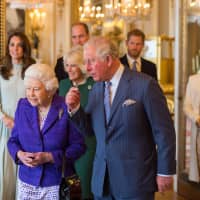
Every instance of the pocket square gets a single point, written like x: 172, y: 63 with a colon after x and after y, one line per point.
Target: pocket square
x: 128, y: 102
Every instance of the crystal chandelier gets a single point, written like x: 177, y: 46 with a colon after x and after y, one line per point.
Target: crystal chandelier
x: 128, y: 9
x: 89, y: 12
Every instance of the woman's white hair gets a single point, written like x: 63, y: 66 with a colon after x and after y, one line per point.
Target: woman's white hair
x: 43, y: 73
x: 76, y: 54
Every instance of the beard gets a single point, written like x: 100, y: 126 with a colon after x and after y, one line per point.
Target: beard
x: 134, y: 54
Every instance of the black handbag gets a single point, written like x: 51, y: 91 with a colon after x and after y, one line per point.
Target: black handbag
x: 64, y: 190
x: 70, y: 188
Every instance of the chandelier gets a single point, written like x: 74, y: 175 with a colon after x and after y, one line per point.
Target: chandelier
x: 90, y: 12
x: 37, y: 19
x: 128, y: 10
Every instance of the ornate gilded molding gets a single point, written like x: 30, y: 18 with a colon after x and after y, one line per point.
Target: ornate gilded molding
x: 2, y: 27
x: 60, y: 4
x: 75, y: 11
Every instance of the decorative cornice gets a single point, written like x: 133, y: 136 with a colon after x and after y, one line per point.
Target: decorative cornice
x: 60, y: 4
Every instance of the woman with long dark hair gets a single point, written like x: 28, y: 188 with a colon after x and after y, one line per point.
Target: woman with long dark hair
x: 12, y: 69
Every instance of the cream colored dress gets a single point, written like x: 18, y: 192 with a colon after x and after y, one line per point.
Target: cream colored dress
x: 10, y: 92
x: 192, y: 111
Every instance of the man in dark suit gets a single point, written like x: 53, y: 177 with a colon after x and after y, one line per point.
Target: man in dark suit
x: 135, y: 152
x: 135, y: 43
x: 80, y: 34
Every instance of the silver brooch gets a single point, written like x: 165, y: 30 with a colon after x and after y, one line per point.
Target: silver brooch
x: 60, y: 113
x: 89, y: 87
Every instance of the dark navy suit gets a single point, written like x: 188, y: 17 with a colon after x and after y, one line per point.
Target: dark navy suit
x: 59, y: 69
x: 147, y: 67
x: 57, y: 136
x: 139, y: 141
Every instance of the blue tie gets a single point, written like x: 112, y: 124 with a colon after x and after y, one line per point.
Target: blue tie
x: 107, y: 99
x: 134, y: 66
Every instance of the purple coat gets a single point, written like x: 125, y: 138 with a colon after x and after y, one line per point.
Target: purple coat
x: 57, y: 136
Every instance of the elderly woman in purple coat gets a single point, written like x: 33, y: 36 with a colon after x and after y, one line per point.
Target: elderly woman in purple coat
x: 41, y: 136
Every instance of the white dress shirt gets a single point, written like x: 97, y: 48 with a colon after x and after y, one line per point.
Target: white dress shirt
x: 115, y: 82
x: 138, y: 62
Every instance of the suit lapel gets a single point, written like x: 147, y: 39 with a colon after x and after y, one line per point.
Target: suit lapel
x: 121, y: 93
x: 143, y: 66
x: 101, y: 106
x: 126, y: 64
x: 32, y: 116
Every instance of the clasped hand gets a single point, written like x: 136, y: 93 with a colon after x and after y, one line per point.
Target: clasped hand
x: 72, y: 98
x: 34, y: 159
x: 8, y: 121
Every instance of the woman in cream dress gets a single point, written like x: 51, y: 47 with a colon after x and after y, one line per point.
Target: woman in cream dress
x: 12, y: 68
x: 192, y: 112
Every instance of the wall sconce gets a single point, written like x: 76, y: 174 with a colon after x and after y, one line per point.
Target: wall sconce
x: 37, y: 19
x: 194, y: 3
x: 37, y: 23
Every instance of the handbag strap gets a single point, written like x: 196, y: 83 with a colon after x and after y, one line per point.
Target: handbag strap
x: 63, y: 167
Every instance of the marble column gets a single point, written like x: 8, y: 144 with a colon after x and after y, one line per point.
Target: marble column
x: 180, y: 79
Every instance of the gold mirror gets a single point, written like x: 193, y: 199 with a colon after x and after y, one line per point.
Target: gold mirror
x: 31, y: 18
x: 47, y: 24
x: 160, y: 51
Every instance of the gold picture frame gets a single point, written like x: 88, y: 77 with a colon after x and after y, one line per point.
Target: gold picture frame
x: 2, y: 27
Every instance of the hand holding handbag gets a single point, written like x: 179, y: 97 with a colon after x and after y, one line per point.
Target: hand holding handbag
x: 64, y: 193
x: 70, y: 187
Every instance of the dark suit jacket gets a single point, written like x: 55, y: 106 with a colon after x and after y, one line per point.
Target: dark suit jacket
x: 139, y: 141
x: 57, y: 136
x: 147, y: 67
x: 59, y: 70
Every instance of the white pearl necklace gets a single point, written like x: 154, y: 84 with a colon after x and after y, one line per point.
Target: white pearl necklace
x: 43, y: 116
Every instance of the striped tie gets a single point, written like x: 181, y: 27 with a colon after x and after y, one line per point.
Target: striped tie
x: 134, y: 68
